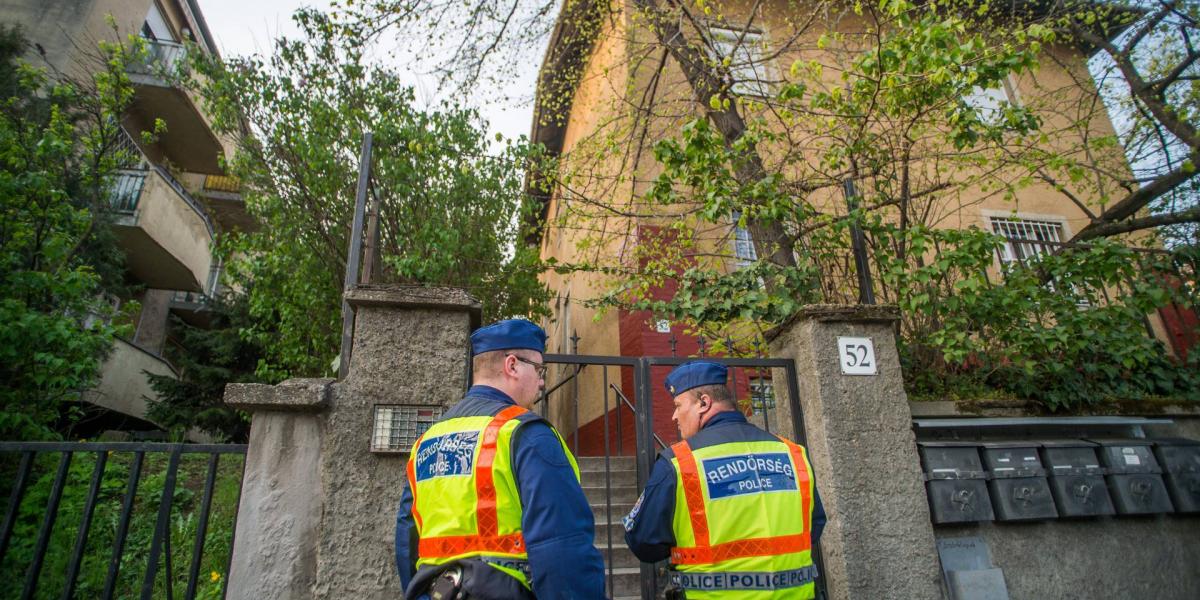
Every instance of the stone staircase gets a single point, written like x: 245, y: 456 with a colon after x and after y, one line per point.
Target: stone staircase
x: 621, y: 566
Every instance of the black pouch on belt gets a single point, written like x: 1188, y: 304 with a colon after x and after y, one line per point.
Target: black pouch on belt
x: 448, y: 585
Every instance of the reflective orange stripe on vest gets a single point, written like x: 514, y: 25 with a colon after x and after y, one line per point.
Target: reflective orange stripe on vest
x: 487, y: 538
x: 771, y: 546
x: 802, y: 476
x: 704, y: 552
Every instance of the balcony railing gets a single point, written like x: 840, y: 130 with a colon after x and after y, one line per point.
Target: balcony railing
x: 195, y: 300
x: 162, y: 57
x: 126, y: 190
x: 222, y: 183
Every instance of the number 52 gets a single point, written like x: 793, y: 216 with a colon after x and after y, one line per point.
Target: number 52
x: 857, y: 355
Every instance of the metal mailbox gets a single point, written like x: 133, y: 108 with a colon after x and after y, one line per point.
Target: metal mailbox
x: 1018, y: 485
x: 956, y: 482
x: 1076, y: 479
x: 1180, y: 460
x: 1134, y: 477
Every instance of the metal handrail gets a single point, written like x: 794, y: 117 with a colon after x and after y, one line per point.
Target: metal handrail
x: 629, y: 404
x: 546, y: 393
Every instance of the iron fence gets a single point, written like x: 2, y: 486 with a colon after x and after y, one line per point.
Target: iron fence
x: 124, y: 490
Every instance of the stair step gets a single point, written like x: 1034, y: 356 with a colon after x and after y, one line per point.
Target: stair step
x: 599, y: 478
x: 618, y: 532
x: 611, y: 490
x: 625, y: 581
x: 615, y: 463
x: 619, y: 557
x: 617, y: 494
x: 619, y: 510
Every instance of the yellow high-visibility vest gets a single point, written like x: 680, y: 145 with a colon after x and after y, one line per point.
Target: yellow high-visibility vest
x: 465, y: 500
x: 743, y: 521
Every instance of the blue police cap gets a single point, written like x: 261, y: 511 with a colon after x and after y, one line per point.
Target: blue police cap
x: 693, y: 375
x: 511, y: 334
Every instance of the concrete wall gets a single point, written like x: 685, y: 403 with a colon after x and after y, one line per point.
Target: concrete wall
x: 68, y: 30
x: 879, y: 540
x: 406, y: 351
x: 1149, y: 557
x: 275, y: 551
x: 318, y: 509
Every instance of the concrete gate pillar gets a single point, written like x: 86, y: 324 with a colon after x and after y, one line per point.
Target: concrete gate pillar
x: 879, y: 541
x: 318, y: 509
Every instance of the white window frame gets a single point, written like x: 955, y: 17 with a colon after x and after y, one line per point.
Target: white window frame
x: 988, y: 101
x: 752, y: 75
x: 158, y: 25
x: 1037, y: 229
x: 743, y: 244
x: 1010, y: 227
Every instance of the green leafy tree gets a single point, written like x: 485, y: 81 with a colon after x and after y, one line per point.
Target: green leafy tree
x: 207, y: 358
x: 875, y: 96
x: 449, y: 205
x: 883, y: 105
x: 58, y: 148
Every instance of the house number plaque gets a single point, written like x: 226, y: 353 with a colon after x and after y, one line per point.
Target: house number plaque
x: 857, y: 356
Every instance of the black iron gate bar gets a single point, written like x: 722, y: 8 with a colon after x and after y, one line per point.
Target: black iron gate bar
x: 647, y: 441
x: 581, y: 362
x: 161, y: 540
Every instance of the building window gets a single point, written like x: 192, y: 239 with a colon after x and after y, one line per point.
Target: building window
x: 398, y: 426
x: 989, y: 102
x: 1025, y: 239
x: 748, y: 68
x: 155, y: 26
x: 762, y: 395
x: 743, y: 244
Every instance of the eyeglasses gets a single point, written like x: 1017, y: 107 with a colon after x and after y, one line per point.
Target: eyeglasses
x: 539, y: 367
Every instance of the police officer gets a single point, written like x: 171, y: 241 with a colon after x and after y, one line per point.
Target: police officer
x: 493, y: 507
x: 734, y: 507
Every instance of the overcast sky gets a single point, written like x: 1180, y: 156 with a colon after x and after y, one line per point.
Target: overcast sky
x: 244, y: 27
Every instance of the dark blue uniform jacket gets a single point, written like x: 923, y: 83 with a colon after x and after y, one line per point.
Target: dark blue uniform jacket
x: 556, y: 519
x: 648, y: 529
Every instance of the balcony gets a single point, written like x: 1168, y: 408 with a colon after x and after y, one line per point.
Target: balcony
x: 223, y: 194
x: 166, y: 235
x: 123, y: 385
x: 195, y: 307
x: 189, y: 141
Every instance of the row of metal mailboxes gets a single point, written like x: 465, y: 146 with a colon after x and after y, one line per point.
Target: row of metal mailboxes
x: 1030, y: 480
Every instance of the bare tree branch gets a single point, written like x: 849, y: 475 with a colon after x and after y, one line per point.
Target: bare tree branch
x: 1191, y: 215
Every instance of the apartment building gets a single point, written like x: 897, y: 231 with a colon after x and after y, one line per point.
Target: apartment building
x: 170, y: 201
x: 609, y: 88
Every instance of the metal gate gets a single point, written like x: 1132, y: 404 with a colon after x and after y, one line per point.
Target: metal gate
x: 106, y: 527
x: 614, y: 411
